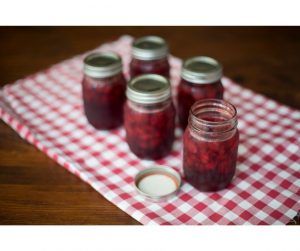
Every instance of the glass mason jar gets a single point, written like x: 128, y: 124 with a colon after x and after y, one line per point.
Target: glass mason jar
x: 149, y: 55
x: 103, y: 90
x: 149, y: 116
x: 210, y: 145
x: 200, y: 79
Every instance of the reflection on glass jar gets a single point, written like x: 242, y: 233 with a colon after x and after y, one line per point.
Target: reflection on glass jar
x: 149, y: 55
x: 210, y: 145
x: 149, y: 116
x: 103, y: 90
x: 200, y: 79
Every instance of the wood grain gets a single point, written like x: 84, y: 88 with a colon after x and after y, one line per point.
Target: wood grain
x: 36, y: 190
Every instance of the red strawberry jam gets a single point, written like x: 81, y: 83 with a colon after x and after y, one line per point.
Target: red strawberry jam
x: 139, y: 67
x: 103, y: 90
x: 149, y: 55
x: 149, y: 117
x: 211, y: 145
x: 200, y: 79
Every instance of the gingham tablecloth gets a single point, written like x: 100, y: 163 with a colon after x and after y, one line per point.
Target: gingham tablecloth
x: 46, y: 110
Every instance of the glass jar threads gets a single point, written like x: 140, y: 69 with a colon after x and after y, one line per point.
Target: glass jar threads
x: 149, y: 116
x: 103, y: 90
x: 149, y: 55
x: 210, y: 145
x: 200, y: 79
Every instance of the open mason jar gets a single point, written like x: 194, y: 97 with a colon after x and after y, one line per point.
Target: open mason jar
x: 210, y: 145
x: 149, y: 116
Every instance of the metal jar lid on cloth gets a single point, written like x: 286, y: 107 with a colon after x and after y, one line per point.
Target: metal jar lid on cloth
x: 157, y: 183
x: 201, y: 70
x: 149, y: 48
x: 102, y: 64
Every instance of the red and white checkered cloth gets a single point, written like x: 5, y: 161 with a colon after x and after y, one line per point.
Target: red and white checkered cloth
x: 46, y: 110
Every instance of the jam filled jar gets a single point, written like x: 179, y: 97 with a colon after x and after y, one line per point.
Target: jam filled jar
x: 103, y: 90
x: 200, y: 79
x: 149, y: 55
x: 149, y: 116
x: 210, y: 145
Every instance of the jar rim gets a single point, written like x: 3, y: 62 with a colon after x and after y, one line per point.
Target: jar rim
x: 213, y: 105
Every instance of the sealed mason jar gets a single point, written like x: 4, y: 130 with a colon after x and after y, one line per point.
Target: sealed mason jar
x: 103, y: 90
x: 149, y: 116
x: 149, y: 55
x: 210, y: 145
x: 200, y: 79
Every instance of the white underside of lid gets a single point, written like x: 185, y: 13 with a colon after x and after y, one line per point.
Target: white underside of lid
x: 157, y: 185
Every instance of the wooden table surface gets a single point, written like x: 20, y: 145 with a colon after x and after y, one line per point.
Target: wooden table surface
x: 36, y: 190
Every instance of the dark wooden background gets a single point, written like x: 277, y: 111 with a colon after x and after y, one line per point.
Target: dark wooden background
x: 36, y: 190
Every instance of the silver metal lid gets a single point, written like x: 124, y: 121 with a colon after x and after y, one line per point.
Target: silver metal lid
x: 157, y: 183
x: 201, y: 70
x: 149, y: 48
x: 148, y: 89
x: 101, y: 65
